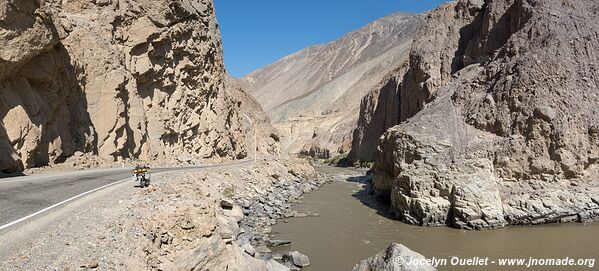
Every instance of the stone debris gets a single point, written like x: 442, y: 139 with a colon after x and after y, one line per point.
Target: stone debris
x: 273, y: 265
x: 278, y: 243
x: 249, y: 249
x: 91, y: 265
x: 178, y: 226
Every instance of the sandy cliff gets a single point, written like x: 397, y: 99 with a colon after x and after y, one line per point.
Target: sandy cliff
x: 115, y: 78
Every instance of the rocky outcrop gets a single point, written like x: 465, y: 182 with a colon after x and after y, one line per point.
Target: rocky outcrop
x: 313, y: 96
x: 435, y: 55
x: 379, y: 111
x: 119, y: 79
x: 426, y: 187
x: 506, y: 116
x: 395, y: 258
x: 259, y: 131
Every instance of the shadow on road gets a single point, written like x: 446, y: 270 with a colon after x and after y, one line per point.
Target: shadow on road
x: 10, y: 175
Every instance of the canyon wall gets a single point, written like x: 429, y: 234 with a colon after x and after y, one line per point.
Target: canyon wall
x: 405, y: 91
x: 313, y: 96
x: 261, y: 139
x: 380, y: 110
x: 121, y: 79
x: 505, y: 127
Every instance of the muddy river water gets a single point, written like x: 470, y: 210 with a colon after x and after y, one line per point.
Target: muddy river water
x: 352, y: 226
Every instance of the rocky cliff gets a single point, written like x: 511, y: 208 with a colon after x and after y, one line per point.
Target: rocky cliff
x: 406, y: 90
x: 505, y: 99
x: 380, y: 110
x: 116, y: 78
x: 313, y: 96
x: 260, y: 134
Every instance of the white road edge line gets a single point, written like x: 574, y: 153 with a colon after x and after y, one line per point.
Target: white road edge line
x: 97, y: 189
x: 61, y: 203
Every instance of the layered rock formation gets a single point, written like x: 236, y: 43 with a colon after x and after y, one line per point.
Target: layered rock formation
x: 505, y: 124
x: 116, y: 78
x: 313, y: 96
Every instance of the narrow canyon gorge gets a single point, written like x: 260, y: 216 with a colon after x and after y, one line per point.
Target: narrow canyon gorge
x: 417, y: 128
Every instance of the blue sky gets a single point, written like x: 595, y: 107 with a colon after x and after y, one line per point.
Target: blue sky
x: 256, y: 33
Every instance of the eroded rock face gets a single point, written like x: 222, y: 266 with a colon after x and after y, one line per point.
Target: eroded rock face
x: 435, y: 55
x: 266, y: 137
x: 120, y: 79
x: 506, y: 133
x: 379, y: 111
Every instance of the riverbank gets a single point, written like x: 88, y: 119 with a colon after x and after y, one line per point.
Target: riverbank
x: 352, y: 226
x: 208, y: 220
x: 224, y: 218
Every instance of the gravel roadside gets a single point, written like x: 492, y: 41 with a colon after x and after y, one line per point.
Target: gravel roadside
x: 203, y: 220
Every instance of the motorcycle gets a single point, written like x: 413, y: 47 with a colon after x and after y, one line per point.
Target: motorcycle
x: 142, y: 175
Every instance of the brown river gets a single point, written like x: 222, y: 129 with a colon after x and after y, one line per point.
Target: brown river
x: 351, y: 226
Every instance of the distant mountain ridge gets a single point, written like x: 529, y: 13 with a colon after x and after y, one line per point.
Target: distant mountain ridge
x: 313, y: 96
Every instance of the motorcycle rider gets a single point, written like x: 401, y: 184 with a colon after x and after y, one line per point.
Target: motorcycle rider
x: 142, y: 175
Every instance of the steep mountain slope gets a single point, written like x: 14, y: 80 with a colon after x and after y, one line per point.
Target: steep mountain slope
x: 380, y: 110
x: 120, y: 79
x: 313, y: 95
x: 507, y: 131
x: 406, y: 90
x: 260, y: 133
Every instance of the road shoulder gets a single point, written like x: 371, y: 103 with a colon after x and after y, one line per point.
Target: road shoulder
x: 168, y: 225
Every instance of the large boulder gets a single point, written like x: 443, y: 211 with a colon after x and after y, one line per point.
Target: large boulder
x: 296, y: 258
x: 395, y: 258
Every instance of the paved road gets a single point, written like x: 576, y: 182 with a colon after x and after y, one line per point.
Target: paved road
x: 23, y: 196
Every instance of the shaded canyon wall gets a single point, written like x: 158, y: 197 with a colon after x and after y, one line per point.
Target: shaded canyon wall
x: 114, y: 78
